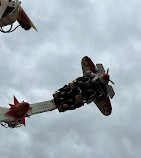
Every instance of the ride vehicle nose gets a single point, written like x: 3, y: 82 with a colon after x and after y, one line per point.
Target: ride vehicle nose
x: 106, y: 77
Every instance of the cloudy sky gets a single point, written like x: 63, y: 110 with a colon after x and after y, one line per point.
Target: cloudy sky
x: 34, y: 65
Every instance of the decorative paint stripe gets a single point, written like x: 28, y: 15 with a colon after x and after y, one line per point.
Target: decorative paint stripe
x: 90, y: 64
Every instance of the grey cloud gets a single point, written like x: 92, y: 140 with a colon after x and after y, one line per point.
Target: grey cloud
x: 34, y: 65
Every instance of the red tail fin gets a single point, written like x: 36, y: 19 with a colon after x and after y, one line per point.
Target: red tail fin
x: 15, y: 101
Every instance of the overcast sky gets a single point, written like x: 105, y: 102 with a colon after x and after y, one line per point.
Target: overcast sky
x: 34, y: 65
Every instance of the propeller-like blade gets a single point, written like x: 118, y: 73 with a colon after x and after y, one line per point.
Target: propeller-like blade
x: 107, y: 70
x: 112, y: 82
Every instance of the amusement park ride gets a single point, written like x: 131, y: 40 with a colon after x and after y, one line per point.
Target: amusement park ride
x: 93, y: 86
x: 10, y: 11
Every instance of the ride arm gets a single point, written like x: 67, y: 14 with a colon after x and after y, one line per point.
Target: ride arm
x: 41, y: 107
x: 3, y: 117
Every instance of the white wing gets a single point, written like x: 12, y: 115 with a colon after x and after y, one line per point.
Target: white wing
x: 104, y: 105
x: 87, y: 65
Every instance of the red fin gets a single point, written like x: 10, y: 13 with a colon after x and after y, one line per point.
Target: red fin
x: 11, y: 112
x: 29, y: 108
x: 16, y: 119
x: 23, y: 120
x: 15, y: 101
x: 26, y: 115
x: 24, y: 18
x: 11, y: 105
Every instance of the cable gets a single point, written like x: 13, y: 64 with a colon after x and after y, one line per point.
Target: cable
x: 10, y: 30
